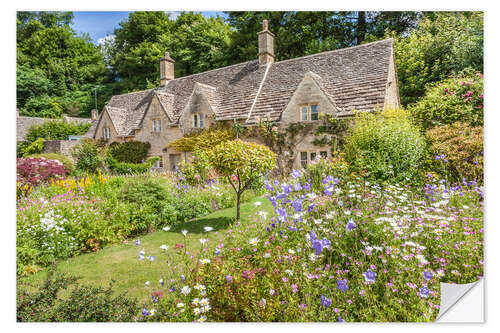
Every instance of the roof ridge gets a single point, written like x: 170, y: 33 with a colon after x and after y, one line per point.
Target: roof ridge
x: 337, y: 50
x: 212, y: 70
x: 135, y: 92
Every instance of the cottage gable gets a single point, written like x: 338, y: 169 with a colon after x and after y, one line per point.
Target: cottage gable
x: 200, y: 109
x: 309, y: 92
x: 106, y: 121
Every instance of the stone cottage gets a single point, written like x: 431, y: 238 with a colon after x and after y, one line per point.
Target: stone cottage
x: 340, y: 82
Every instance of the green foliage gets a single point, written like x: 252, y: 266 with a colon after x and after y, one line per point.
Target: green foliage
x: 241, y: 164
x: 443, y: 44
x: 88, y: 156
x: 318, y: 169
x: 195, y: 42
x: 69, y: 165
x: 197, y: 171
x: 384, y: 146
x: 57, y: 70
x: 35, y: 147
x: 452, y: 100
x: 203, y: 140
x: 123, y: 168
x: 83, y: 304
x: 456, y: 152
x: 56, y: 130
x: 130, y: 151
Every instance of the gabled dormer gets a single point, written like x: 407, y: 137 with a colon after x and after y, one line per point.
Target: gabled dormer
x: 200, y: 109
x: 309, y: 100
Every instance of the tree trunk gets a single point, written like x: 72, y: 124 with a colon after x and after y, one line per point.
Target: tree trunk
x: 238, y: 206
x: 361, y: 28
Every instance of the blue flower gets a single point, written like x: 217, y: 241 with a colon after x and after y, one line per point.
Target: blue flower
x: 307, y: 186
x: 155, y: 299
x: 268, y: 186
x: 296, y: 173
x: 325, y: 301
x: 340, y: 320
x: 229, y: 278
x: 217, y: 252
x: 137, y: 242
x: 297, y: 187
x: 342, y: 285
x: 319, y: 245
x: 424, y: 292
x: 329, y: 190
x: 281, y: 214
x: 151, y: 258
x: 370, y: 276
x: 273, y: 200
x: 145, y: 312
x: 350, y: 225
x: 297, y: 205
x: 427, y: 275
x: 183, y: 278
x: 311, y: 207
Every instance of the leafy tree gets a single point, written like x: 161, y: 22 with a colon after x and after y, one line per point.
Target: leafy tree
x: 241, y: 163
x: 203, y: 140
x: 195, y: 42
x: 56, y: 130
x: 443, y: 44
x: 64, y: 64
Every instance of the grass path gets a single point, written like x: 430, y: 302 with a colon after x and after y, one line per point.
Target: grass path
x: 120, y: 262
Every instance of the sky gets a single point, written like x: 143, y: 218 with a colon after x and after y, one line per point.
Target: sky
x: 101, y: 24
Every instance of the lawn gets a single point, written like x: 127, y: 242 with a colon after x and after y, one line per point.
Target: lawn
x: 120, y: 262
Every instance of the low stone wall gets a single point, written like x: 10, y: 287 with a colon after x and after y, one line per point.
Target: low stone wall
x: 62, y: 147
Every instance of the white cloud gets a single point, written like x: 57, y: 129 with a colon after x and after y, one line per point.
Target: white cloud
x: 174, y: 15
x: 106, y: 40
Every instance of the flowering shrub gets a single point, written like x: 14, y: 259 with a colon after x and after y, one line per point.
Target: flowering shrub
x: 66, y: 161
x: 457, y: 151
x: 384, y: 146
x: 353, y: 251
x: 457, y: 99
x: 34, y: 171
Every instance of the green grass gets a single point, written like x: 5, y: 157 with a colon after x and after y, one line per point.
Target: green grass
x: 120, y: 262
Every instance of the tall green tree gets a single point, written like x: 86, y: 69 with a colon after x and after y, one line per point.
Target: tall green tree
x: 443, y: 44
x: 66, y: 65
x: 195, y: 42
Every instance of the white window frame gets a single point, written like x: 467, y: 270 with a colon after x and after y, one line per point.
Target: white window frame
x: 158, y: 164
x: 198, y: 120
x: 303, y: 162
x: 201, y: 120
x: 107, y: 133
x: 156, y: 125
x: 306, y: 109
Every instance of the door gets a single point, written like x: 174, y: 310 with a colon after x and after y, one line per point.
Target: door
x: 174, y: 160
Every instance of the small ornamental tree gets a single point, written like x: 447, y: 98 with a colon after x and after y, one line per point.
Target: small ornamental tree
x: 241, y: 163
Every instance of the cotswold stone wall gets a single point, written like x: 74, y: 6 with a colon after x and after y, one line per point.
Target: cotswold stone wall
x: 62, y: 147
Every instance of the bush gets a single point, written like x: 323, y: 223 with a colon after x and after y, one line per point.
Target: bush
x: 385, y: 146
x: 123, y: 168
x: 35, y: 171
x: 457, y: 151
x: 56, y: 130
x: 197, y: 171
x: 88, y: 156
x: 318, y: 169
x: 452, y: 100
x: 84, y: 304
x: 203, y: 140
x: 69, y: 165
x: 36, y: 147
x: 129, y: 152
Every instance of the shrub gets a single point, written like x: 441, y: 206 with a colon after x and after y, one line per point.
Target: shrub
x: 197, y: 171
x: 129, y: 152
x: 318, y: 169
x: 203, y: 140
x: 69, y: 165
x: 88, y: 156
x: 384, y: 145
x: 35, y: 171
x: 241, y: 164
x: 123, y: 168
x: 452, y: 100
x: 56, y: 130
x: 457, y: 151
x: 35, y: 147
x: 84, y: 304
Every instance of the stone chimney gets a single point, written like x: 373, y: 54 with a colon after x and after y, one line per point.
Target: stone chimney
x: 166, y: 69
x: 266, y: 44
x: 94, y: 114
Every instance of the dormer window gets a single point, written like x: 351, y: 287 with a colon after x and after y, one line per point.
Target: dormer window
x: 106, y: 133
x: 198, y: 121
x: 309, y: 112
x: 156, y: 125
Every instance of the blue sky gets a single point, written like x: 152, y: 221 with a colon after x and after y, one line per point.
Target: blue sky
x: 101, y: 24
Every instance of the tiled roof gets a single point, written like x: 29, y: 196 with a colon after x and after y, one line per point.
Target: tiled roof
x: 354, y: 78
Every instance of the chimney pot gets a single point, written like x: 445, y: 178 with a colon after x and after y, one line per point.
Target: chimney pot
x: 94, y: 114
x: 166, y: 69
x: 266, y: 44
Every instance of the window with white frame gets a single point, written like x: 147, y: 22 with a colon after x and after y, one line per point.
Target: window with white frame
x: 198, y: 120
x: 158, y: 164
x: 106, y: 133
x: 156, y: 125
x: 309, y: 112
x: 307, y: 157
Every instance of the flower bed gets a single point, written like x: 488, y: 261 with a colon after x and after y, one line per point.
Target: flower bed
x: 354, y: 251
